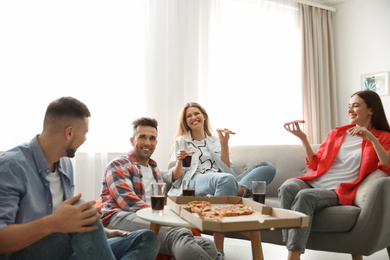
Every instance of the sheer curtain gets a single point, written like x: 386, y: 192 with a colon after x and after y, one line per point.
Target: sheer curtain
x: 92, y: 50
x: 254, y: 82
x: 239, y: 58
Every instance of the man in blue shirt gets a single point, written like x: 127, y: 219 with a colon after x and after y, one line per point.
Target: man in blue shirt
x: 39, y: 217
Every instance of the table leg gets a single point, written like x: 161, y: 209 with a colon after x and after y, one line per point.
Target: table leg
x: 155, y: 227
x: 257, y: 250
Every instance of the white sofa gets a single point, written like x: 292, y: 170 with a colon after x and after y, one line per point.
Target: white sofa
x: 345, y: 229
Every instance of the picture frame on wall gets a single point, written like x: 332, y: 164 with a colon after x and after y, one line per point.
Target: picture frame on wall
x: 378, y: 82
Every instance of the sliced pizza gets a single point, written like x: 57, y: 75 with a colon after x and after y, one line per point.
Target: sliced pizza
x: 205, y: 212
x: 226, y: 131
x: 295, y: 122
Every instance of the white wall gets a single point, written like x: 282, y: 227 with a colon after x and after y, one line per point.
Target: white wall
x: 362, y: 46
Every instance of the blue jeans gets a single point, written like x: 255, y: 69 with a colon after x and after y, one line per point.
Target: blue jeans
x: 225, y: 184
x: 89, y: 245
x: 142, y: 244
x: 177, y: 241
x: 298, y: 195
x: 139, y: 245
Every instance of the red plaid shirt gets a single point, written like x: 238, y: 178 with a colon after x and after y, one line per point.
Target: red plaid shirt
x: 122, y: 186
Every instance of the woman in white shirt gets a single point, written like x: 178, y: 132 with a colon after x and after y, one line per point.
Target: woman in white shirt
x: 211, y: 167
x: 343, y: 160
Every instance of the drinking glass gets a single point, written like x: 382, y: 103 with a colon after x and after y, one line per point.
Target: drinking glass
x: 187, y: 160
x: 188, y: 188
x: 258, y: 191
x: 158, y: 197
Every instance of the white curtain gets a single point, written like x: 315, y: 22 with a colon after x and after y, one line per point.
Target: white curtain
x: 239, y: 58
x: 254, y: 73
x: 319, y: 72
x: 92, y: 50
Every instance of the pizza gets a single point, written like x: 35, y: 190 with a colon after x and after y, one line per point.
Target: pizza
x: 226, y: 131
x: 204, y: 211
x: 234, y: 210
x: 199, y: 203
x: 295, y: 122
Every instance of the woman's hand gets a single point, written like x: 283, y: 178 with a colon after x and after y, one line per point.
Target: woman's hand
x: 178, y: 169
x: 362, y: 132
x: 223, y: 136
x: 365, y: 134
x: 181, y: 154
x: 293, y: 127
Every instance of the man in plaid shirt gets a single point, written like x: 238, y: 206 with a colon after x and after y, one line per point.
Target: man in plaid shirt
x: 126, y: 189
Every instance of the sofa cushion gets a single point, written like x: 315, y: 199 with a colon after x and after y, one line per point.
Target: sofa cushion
x: 289, y: 161
x: 331, y: 219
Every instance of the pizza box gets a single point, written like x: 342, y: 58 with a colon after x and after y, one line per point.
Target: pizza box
x: 263, y: 217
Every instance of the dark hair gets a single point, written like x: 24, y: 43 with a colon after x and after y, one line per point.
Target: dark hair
x: 145, y: 121
x: 373, y: 101
x: 66, y: 107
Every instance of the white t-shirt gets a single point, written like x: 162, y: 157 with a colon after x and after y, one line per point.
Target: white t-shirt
x: 206, y: 162
x: 57, y: 192
x: 147, y: 180
x: 345, y: 167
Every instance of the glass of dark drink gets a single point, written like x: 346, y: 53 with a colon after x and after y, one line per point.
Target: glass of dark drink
x: 188, y: 188
x: 187, y: 160
x: 158, y: 197
x: 258, y: 191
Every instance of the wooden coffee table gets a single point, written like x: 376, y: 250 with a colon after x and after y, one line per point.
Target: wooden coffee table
x: 170, y: 218
x: 167, y: 218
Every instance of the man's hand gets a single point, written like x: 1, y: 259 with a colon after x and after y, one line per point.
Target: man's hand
x: 69, y: 218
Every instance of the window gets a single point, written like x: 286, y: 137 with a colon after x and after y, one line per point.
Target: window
x: 92, y: 50
x: 254, y: 70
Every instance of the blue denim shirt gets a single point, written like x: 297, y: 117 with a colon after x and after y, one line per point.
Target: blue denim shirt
x: 24, y: 191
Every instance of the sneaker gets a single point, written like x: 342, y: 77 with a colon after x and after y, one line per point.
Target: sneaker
x: 220, y: 256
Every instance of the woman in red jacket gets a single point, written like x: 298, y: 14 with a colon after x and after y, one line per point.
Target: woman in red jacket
x: 347, y: 156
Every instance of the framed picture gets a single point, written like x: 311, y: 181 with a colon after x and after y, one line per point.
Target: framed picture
x: 378, y: 82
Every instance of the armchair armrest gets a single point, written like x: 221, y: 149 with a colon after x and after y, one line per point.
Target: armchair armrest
x: 374, y: 219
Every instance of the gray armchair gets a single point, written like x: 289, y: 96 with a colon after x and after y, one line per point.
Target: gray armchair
x: 345, y: 229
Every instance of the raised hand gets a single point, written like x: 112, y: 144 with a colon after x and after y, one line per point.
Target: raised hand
x: 224, y: 135
x: 293, y: 127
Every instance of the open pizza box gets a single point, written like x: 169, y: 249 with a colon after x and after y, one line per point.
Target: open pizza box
x: 263, y: 217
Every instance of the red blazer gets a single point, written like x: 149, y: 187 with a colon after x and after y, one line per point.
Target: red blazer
x: 327, y: 152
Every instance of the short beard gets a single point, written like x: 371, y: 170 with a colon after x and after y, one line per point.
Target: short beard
x: 70, y: 152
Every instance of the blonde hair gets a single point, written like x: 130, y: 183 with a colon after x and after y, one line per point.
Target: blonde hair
x: 183, y: 128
